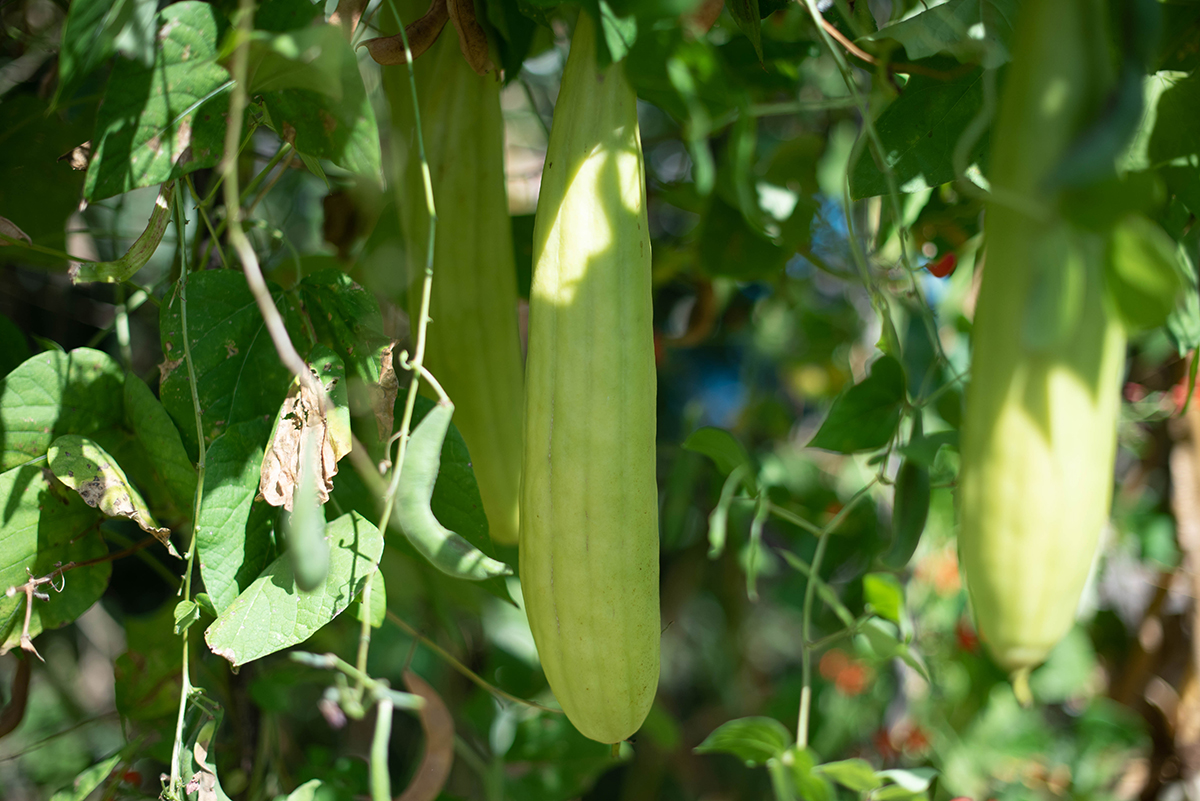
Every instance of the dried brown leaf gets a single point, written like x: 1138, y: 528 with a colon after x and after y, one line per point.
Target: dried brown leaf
x: 301, y: 414
x: 700, y: 19
x: 389, y: 50
x: 383, y: 395
x: 79, y: 156
x: 10, y: 229
x: 472, y: 39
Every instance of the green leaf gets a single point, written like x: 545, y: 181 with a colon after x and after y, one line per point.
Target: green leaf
x: 719, y: 445
x: 1183, y: 324
x: 272, y: 614
x: 924, y: 449
x: 238, y: 373
x: 914, y: 780
x: 516, y: 33
x: 867, y: 415
x: 328, y: 117
x: 1142, y: 272
x: 752, y: 740
x: 456, y: 502
x: 234, y: 539
x: 881, y: 636
x: 718, y: 520
x: 186, y: 613
x: 910, y: 511
x: 894, y: 792
x: 810, y: 784
x: 919, y: 132
x: 1176, y: 134
x: 152, y: 115
x: 378, y: 612
x: 86, y: 468
x: 88, y: 781
x: 95, y: 30
x: 971, y: 30
x: 305, y: 58
x: 729, y: 246
x: 45, y: 526
x: 159, y: 436
x: 853, y: 774
x: 1067, y: 671
x: 148, y: 673
x: 56, y: 393
x: 745, y: 14
x: 552, y: 759
x: 615, y: 34
x: 197, y: 759
x: 346, y: 319
x: 309, y: 791
x: 285, y: 15
x: 31, y: 141
x: 885, y: 595
x: 13, y: 348
x: 1180, y: 45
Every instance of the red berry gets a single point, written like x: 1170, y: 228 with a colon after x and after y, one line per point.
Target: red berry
x: 944, y: 266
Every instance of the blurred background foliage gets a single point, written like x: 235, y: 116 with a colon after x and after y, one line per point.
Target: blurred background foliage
x: 778, y: 274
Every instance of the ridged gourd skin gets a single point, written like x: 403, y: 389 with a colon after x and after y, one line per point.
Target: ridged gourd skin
x: 1039, y: 436
x: 473, y: 344
x: 589, y: 500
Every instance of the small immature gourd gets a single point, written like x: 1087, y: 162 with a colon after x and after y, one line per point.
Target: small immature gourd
x: 589, y: 502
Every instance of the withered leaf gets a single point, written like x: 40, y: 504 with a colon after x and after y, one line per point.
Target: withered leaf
x: 389, y: 50
x: 79, y: 156
x: 10, y: 229
x: 299, y: 416
x: 87, y: 468
x: 383, y: 395
x: 472, y: 39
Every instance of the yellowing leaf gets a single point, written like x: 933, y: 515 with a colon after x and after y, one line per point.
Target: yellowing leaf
x: 87, y: 468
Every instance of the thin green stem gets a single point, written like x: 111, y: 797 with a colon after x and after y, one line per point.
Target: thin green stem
x: 463, y: 669
x: 364, y: 643
x: 269, y: 185
x: 131, y: 304
x: 214, y: 237
x: 810, y: 592
x: 794, y: 519
x: 185, y: 689
x: 381, y: 779
x: 21, y: 243
x: 237, y: 237
x: 121, y: 324
x: 789, y: 107
x: 379, y: 688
